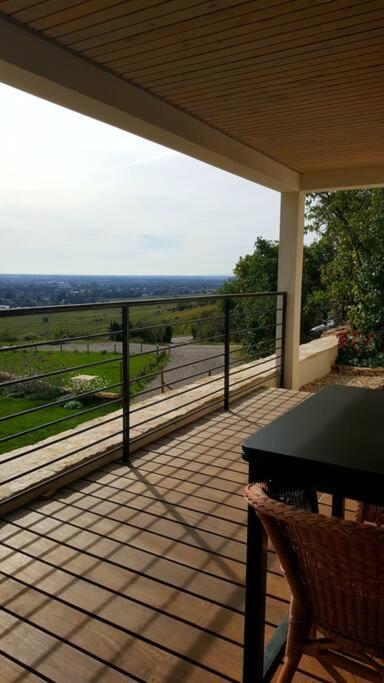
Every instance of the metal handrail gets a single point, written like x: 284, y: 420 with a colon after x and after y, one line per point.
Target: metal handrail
x: 222, y: 373
x: 11, y: 312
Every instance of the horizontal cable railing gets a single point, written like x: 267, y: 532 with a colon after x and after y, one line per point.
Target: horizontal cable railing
x: 67, y: 373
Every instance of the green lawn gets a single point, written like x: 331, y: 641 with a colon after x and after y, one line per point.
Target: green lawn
x: 30, y: 362
x: 10, y: 406
x: 35, y: 362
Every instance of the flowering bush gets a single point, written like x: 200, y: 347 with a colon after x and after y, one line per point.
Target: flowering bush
x: 361, y: 349
x: 20, y: 365
x: 80, y: 384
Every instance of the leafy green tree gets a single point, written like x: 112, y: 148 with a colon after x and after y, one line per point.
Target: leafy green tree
x: 114, y: 329
x: 256, y: 272
x: 253, y: 319
x: 315, y: 307
x: 167, y: 335
x: 343, y: 270
x: 208, y: 326
x: 350, y: 225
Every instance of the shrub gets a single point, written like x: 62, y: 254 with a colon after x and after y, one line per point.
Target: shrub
x: 115, y: 332
x: 361, y: 349
x: 6, y: 336
x: 168, y: 334
x: 61, y: 333
x: 27, y: 366
x: 34, y: 388
x: 73, y: 405
x: 81, y: 385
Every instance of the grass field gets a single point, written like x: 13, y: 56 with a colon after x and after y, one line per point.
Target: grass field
x: 29, y: 363
x: 9, y: 406
x: 47, y: 327
x: 40, y: 327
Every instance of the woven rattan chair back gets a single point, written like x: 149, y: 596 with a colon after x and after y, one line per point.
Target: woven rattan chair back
x: 301, y: 499
x: 335, y: 572
x: 366, y: 512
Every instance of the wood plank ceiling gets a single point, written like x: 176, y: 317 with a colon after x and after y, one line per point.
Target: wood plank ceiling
x: 299, y: 80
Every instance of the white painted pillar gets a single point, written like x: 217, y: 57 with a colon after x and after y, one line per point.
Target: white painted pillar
x: 290, y: 272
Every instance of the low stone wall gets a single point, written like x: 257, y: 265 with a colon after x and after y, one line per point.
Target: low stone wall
x: 174, y: 409
x: 317, y: 358
x: 101, y: 444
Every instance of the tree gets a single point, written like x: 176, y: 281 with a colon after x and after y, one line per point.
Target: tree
x: 315, y: 306
x: 254, y: 319
x: 343, y: 270
x: 167, y: 335
x: 350, y: 226
x: 256, y: 272
x: 115, y: 331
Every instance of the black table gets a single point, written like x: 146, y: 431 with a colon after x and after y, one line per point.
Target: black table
x: 332, y: 442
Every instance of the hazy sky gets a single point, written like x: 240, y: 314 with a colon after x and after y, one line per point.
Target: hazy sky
x: 79, y: 196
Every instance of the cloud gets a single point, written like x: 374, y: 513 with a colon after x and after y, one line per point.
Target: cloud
x: 158, y: 243
x: 79, y: 196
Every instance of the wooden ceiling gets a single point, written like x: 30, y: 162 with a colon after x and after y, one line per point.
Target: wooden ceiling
x: 298, y: 80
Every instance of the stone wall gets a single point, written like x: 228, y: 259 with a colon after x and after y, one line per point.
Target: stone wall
x: 77, y: 453
x: 317, y: 358
x: 102, y: 439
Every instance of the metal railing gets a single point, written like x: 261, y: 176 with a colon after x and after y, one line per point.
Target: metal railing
x: 245, y: 330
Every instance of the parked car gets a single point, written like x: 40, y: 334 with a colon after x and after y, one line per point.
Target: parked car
x: 318, y: 330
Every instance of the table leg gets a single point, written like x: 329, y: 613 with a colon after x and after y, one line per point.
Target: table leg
x: 337, y: 506
x: 255, y: 599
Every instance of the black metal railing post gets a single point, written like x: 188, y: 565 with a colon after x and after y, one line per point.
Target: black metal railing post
x: 255, y: 594
x: 282, y: 335
x: 226, y: 351
x: 228, y: 320
x: 125, y: 380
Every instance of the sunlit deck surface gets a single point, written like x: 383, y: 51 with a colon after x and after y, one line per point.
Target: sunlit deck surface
x: 137, y: 573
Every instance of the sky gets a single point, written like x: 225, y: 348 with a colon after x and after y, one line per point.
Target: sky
x: 78, y: 196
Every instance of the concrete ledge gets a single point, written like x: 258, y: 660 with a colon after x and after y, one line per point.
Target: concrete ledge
x: 173, y: 410
x: 317, y: 358
x: 180, y: 407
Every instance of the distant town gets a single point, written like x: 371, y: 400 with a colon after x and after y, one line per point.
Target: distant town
x: 45, y: 290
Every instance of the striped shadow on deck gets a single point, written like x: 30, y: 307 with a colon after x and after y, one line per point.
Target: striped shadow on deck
x: 137, y: 574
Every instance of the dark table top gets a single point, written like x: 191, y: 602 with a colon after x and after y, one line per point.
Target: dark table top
x: 334, y: 441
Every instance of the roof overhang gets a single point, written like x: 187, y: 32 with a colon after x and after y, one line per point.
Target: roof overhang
x: 345, y: 179
x: 36, y: 64
x: 41, y: 68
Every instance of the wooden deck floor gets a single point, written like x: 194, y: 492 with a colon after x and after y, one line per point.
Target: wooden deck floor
x: 136, y: 574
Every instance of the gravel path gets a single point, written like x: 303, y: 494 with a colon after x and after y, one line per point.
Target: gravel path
x: 202, y: 358
x: 369, y: 381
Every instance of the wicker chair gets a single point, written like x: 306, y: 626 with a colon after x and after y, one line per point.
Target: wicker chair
x: 366, y: 512
x: 301, y: 499
x: 335, y: 572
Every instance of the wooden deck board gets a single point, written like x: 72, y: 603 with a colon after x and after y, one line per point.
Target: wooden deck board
x: 137, y: 574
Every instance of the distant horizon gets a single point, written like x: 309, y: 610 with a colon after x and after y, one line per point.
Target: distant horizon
x: 199, y: 275
x: 25, y: 290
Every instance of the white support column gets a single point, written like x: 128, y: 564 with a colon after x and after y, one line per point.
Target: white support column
x: 289, y: 278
